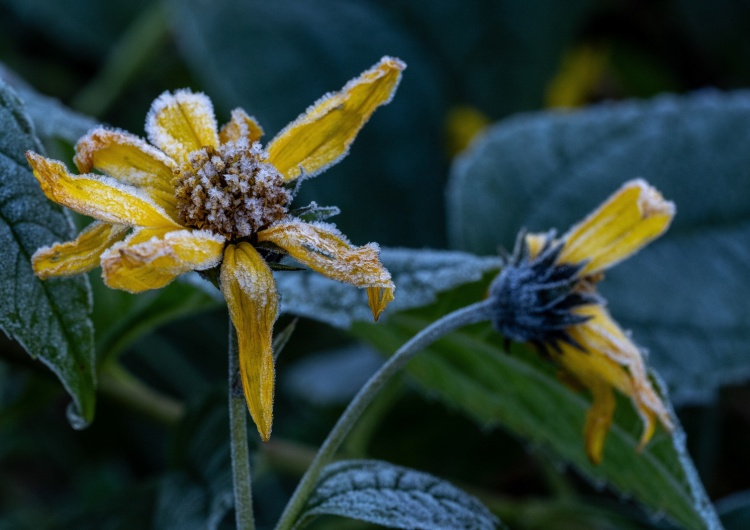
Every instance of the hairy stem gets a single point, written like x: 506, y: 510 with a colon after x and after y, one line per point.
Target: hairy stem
x: 243, y: 493
x: 468, y: 315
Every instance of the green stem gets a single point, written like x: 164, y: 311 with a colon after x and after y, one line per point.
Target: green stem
x: 463, y: 317
x: 243, y: 493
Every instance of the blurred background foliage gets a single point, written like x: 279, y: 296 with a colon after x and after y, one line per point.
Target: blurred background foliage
x: 162, y: 461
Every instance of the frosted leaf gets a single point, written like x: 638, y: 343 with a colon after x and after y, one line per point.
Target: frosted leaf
x: 396, y: 497
x: 49, y: 319
x: 418, y: 274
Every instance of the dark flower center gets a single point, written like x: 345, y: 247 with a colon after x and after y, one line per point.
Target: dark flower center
x: 230, y: 190
x: 533, y: 298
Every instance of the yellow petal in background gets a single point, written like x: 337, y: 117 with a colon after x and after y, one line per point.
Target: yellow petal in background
x: 130, y: 160
x: 250, y: 292
x: 630, y: 219
x: 240, y: 126
x: 180, y: 123
x: 77, y: 256
x: 100, y: 197
x: 323, y: 249
x: 598, y: 419
x: 152, y: 258
x: 322, y: 135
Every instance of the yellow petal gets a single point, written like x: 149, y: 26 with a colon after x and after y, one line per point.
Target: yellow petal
x: 240, y: 126
x: 152, y: 258
x: 250, y: 292
x: 322, y: 135
x: 611, y: 358
x: 181, y: 123
x: 97, y: 196
x: 630, y: 219
x: 130, y: 160
x: 598, y: 419
x: 324, y: 249
x: 77, y: 256
x: 580, y: 73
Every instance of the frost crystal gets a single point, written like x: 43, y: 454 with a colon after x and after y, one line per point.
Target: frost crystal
x: 231, y: 190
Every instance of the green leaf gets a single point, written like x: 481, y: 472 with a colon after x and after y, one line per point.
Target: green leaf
x: 520, y: 392
x: 418, y: 274
x: 276, y: 59
x: 49, y: 319
x: 685, y: 296
x: 395, y: 497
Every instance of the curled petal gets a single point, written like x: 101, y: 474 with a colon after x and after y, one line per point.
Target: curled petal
x: 100, y: 197
x: 378, y: 298
x: 322, y: 248
x: 630, y: 219
x: 130, y: 160
x: 322, y: 135
x: 240, y: 126
x: 250, y: 292
x: 152, y: 258
x: 181, y: 123
x: 77, y: 256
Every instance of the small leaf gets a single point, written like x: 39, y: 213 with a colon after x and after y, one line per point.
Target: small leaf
x: 548, y: 170
x: 418, y: 274
x: 470, y: 370
x: 395, y: 497
x: 49, y: 319
x: 313, y: 212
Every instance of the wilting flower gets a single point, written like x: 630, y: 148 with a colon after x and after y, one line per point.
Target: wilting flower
x: 546, y: 295
x: 197, y: 198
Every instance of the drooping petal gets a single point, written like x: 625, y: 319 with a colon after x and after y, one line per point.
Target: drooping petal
x: 181, y: 123
x: 77, y: 256
x: 610, y: 358
x: 130, y: 160
x: 325, y: 250
x: 240, y: 126
x: 250, y: 292
x: 598, y: 419
x: 152, y: 258
x: 322, y: 135
x: 630, y: 219
x: 100, y: 197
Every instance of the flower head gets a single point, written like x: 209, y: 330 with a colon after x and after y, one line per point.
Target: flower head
x: 197, y: 198
x: 546, y: 295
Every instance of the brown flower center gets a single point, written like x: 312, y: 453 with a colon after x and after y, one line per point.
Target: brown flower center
x: 230, y: 190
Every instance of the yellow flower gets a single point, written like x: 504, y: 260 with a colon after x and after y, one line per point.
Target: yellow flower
x: 197, y: 198
x: 546, y: 296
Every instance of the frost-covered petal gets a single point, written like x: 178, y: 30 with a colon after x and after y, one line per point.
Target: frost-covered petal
x: 152, y: 258
x: 611, y: 358
x: 240, y: 126
x: 100, y: 197
x: 325, y: 250
x: 322, y: 135
x: 128, y: 159
x: 250, y: 292
x: 181, y: 123
x: 630, y: 219
x: 77, y: 256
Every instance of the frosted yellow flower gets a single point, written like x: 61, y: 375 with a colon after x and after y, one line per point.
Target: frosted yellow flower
x: 546, y: 296
x: 196, y: 198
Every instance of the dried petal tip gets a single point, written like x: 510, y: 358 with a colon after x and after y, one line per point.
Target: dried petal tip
x: 379, y: 298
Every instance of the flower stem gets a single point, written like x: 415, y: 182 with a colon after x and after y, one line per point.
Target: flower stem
x: 463, y: 317
x: 243, y: 493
